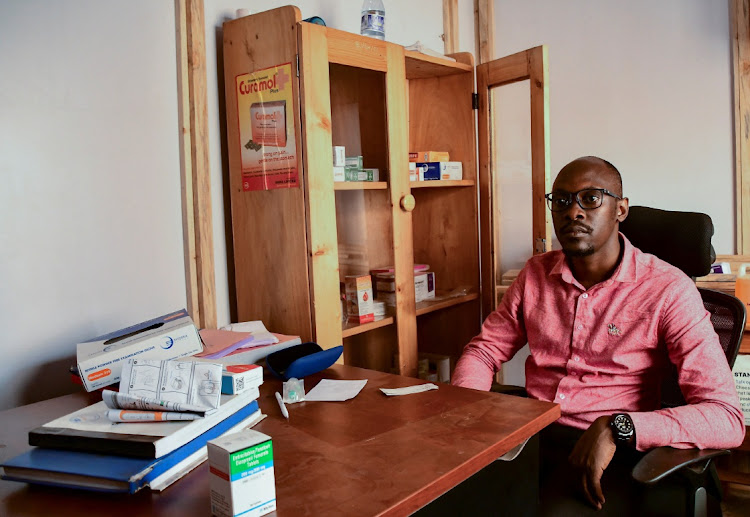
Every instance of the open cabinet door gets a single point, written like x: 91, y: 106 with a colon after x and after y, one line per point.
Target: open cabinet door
x: 532, y: 65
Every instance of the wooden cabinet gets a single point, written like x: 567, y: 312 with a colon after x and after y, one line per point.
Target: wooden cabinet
x: 292, y: 247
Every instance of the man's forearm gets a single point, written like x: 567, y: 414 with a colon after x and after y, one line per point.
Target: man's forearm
x: 708, y: 425
x: 473, y: 370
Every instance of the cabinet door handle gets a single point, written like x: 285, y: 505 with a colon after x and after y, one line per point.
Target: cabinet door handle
x: 407, y: 203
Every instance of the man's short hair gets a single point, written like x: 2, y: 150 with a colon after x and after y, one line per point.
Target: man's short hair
x: 612, y: 169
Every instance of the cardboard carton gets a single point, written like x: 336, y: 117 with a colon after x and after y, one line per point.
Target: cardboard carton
x: 171, y: 336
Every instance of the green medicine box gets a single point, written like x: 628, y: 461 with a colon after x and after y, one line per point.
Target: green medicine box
x: 241, y: 474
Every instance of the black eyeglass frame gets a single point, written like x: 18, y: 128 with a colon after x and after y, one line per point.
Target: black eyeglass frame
x: 576, y: 196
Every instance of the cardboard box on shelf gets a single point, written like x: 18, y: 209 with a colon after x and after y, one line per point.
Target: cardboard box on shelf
x: 359, y: 298
x: 424, y: 287
x: 433, y: 171
x: 339, y: 156
x: 429, y: 156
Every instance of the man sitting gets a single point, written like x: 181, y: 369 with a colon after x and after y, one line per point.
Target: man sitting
x: 603, y: 320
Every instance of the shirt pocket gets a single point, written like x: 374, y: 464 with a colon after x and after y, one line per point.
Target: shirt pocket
x: 626, y: 339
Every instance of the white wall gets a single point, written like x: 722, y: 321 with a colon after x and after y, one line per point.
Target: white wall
x: 644, y: 84
x: 91, y: 230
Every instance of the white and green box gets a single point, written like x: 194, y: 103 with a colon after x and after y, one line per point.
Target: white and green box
x: 241, y: 474
x: 353, y: 161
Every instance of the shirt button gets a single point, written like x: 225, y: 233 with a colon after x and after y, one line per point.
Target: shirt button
x: 585, y: 295
x: 576, y: 358
x: 580, y: 327
x: 562, y: 396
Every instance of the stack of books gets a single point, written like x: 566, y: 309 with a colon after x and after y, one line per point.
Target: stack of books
x: 85, y: 450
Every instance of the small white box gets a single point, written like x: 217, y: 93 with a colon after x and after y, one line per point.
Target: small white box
x: 451, y: 171
x: 413, y: 176
x: 339, y: 173
x: 171, y: 336
x: 372, y: 174
x: 239, y: 378
x: 339, y: 155
x: 359, y: 298
x: 241, y: 474
x: 354, y: 161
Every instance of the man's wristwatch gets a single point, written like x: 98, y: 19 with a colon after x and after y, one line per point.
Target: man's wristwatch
x: 623, y: 429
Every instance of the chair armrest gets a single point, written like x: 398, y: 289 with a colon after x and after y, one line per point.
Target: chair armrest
x: 660, y: 462
x: 508, y: 389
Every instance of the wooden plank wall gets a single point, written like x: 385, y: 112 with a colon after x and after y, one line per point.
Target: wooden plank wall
x: 194, y: 166
x: 450, y: 26
x: 741, y: 60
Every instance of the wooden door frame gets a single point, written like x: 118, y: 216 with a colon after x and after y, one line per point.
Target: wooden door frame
x: 532, y: 65
x: 195, y: 173
x: 740, y: 26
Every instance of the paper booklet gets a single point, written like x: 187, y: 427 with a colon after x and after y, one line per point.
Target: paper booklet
x: 214, y: 339
x: 219, y: 343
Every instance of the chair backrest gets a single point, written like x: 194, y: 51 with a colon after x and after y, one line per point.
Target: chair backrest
x: 728, y: 318
x: 684, y: 240
x: 681, y: 238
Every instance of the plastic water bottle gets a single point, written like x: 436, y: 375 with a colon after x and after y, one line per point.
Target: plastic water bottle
x: 373, y: 19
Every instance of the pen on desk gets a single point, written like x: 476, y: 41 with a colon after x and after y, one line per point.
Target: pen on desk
x: 282, y: 406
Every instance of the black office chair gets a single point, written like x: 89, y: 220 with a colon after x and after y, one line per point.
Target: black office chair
x: 684, y: 240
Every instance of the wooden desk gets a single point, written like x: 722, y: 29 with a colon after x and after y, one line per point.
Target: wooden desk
x: 373, y: 455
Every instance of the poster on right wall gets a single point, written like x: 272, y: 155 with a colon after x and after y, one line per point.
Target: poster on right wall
x: 741, y: 373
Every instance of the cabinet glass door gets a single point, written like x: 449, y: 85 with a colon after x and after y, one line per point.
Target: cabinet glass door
x: 529, y: 66
x: 445, y: 233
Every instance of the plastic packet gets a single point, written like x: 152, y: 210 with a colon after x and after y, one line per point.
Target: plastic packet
x: 294, y: 390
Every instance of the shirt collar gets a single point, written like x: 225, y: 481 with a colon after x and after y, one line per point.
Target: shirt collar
x: 627, y: 270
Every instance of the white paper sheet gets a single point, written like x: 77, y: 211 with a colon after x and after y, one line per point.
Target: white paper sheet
x: 329, y: 390
x: 419, y: 388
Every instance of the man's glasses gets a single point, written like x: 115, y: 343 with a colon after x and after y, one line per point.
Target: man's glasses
x: 587, y: 199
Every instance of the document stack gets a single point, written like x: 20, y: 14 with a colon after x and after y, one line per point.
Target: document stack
x: 149, y: 434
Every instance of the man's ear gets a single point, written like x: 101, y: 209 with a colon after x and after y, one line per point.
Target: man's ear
x: 622, y: 209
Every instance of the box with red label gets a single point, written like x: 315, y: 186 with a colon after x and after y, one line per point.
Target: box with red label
x: 239, y: 378
x: 359, y: 298
x: 167, y: 337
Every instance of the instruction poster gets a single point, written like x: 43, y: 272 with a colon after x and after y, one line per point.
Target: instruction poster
x: 265, y: 116
x: 741, y: 372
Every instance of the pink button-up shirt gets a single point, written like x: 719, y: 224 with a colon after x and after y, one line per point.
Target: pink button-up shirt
x: 605, y: 350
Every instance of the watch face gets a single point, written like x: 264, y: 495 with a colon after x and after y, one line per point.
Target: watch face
x: 623, y: 424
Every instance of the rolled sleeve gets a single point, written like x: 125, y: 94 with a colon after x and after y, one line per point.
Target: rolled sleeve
x: 502, y: 335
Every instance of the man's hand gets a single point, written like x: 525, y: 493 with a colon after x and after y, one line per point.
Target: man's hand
x: 591, y: 456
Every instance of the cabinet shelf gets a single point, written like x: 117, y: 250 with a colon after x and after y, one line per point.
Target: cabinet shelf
x: 441, y: 183
x: 420, y: 65
x: 360, y: 185
x: 427, y: 306
x: 352, y: 329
